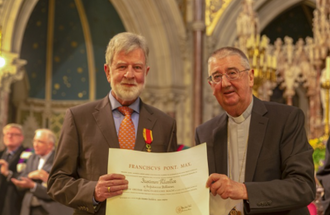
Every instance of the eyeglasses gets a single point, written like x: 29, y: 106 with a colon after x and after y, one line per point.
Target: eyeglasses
x: 231, y: 74
x: 12, y: 134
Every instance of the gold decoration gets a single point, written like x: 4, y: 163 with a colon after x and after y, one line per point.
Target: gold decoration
x: 213, y: 11
x: 256, y: 47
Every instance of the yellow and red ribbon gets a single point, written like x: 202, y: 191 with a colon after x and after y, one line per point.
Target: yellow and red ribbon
x: 147, y: 135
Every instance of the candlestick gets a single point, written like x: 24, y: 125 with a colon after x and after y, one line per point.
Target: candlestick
x: 258, y: 40
x: 261, y: 63
x: 327, y: 71
x: 274, y: 62
x: 269, y: 61
x: 254, y: 61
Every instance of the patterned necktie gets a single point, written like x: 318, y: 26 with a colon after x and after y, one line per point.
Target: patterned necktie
x: 126, y: 134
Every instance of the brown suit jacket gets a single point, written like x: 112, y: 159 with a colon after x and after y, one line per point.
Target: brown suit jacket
x: 279, y: 172
x: 82, y: 153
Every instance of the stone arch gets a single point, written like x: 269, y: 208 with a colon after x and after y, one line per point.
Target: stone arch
x: 161, y: 23
x: 266, y: 10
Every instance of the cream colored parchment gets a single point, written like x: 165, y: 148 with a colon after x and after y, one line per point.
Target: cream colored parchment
x: 170, y: 183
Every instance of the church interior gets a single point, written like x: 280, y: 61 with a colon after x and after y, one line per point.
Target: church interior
x: 52, y: 57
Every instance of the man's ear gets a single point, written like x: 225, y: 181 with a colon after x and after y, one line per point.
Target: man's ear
x: 147, y: 70
x: 107, y: 72
x: 251, y: 78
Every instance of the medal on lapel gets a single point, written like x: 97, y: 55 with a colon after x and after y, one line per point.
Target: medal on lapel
x: 147, y: 135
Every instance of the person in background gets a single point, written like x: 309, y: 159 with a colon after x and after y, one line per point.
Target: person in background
x: 10, y: 198
x: 79, y: 176
x: 33, y: 179
x: 323, y: 176
x: 258, y: 151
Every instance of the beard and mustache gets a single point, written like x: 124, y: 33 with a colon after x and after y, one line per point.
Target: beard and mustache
x: 128, y: 93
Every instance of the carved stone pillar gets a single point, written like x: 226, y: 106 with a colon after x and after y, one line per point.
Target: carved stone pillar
x: 198, y: 29
x: 9, y: 74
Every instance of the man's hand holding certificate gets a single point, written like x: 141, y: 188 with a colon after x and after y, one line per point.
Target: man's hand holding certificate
x: 161, y: 183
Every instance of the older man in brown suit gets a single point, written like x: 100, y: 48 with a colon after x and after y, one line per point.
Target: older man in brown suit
x: 79, y: 176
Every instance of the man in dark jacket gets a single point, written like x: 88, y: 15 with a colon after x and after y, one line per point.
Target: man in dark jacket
x: 10, y: 198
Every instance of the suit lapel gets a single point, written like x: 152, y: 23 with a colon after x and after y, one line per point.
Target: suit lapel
x: 146, y: 120
x: 220, y: 145
x: 15, y: 158
x: 35, y: 162
x: 48, y: 165
x: 258, y: 126
x: 104, y: 120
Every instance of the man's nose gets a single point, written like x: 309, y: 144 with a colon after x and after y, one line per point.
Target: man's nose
x: 129, y: 72
x: 224, y: 81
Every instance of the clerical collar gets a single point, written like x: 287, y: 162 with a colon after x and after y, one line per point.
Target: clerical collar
x: 244, y: 115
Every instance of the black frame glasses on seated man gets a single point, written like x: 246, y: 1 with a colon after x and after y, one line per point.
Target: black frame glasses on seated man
x: 231, y: 74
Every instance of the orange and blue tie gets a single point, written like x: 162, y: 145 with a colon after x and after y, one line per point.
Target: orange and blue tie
x: 126, y: 133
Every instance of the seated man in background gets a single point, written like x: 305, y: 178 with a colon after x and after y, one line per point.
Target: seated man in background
x: 32, y: 180
x: 10, y: 197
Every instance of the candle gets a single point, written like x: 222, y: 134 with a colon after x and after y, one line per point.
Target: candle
x: 261, y: 63
x: 258, y: 40
x: 327, y: 72
x: 256, y: 72
x: 248, y: 43
x: 274, y: 62
x: 252, y: 40
x: 317, y: 55
x: 269, y: 61
x: 254, y: 61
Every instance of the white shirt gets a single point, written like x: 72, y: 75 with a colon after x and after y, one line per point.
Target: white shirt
x: 238, y: 133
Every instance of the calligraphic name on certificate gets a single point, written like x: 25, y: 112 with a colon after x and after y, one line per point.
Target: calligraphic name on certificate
x: 161, y: 183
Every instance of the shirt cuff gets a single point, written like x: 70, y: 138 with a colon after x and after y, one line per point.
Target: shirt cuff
x: 95, y: 203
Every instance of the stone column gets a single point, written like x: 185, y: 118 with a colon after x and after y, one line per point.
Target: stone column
x: 9, y: 74
x: 198, y: 33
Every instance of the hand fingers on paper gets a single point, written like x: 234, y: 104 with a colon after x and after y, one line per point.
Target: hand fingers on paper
x: 111, y: 177
x: 110, y: 185
x: 116, y: 186
x: 116, y: 190
x: 220, y: 184
x: 114, y: 183
x: 213, y: 178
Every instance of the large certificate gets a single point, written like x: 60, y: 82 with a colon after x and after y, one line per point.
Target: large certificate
x: 161, y: 183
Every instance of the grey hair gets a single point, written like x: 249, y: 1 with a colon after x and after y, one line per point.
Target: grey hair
x: 127, y: 42
x: 230, y: 51
x: 13, y: 125
x: 50, y: 135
